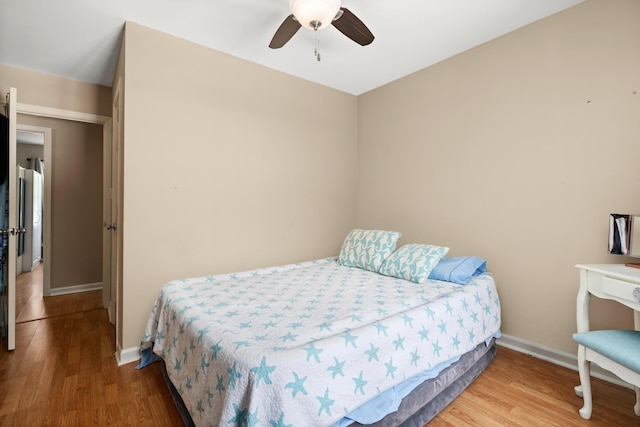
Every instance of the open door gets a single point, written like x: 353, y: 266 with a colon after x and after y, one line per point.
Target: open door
x: 8, y: 220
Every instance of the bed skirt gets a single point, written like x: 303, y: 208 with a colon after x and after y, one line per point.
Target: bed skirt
x: 421, y: 405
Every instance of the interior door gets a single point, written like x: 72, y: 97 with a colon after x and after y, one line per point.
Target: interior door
x: 9, y: 226
x: 114, y: 307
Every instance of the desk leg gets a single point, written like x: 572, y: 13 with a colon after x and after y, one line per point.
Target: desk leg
x: 584, y: 389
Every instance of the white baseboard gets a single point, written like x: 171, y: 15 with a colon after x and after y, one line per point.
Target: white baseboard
x: 560, y: 358
x: 128, y: 355
x: 75, y: 289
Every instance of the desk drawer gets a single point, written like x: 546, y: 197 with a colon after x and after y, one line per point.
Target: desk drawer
x: 620, y: 288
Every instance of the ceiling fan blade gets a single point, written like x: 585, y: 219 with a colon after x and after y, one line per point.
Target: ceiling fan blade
x: 287, y: 29
x: 351, y: 26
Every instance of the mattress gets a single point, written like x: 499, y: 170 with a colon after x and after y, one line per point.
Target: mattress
x: 310, y: 343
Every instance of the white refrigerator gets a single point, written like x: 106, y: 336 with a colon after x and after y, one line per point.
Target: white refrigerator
x: 33, y: 220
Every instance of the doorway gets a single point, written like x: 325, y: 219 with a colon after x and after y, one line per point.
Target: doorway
x: 105, y: 123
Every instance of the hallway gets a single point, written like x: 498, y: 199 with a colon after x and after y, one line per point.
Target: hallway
x: 30, y: 305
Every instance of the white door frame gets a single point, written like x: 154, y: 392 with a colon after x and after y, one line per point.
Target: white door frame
x: 56, y: 113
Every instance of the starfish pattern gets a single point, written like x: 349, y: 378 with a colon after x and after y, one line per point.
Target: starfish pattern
x: 262, y: 372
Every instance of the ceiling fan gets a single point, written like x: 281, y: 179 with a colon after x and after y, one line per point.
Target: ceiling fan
x: 316, y: 15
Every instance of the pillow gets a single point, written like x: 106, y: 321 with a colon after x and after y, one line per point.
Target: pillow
x: 458, y: 269
x: 413, y: 262
x: 368, y: 249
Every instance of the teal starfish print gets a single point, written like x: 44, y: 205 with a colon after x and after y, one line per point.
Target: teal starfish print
x: 430, y: 313
x: 191, y: 320
x: 381, y: 328
x: 280, y: 422
x: 437, y: 348
x: 288, y: 337
x: 325, y: 403
x: 337, y: 368
x: 215, y: 349
x: 220, y: 385
x: 262, y: 372
x: 201, y: 334
x: 443, y: 326
x: 399, y: 343
x: 414, y: 357
x: 297, y: 385
x: 177, y: 365
x: 407, y: 320
x: 474, y: 316
x: 314, y: 352
x: 390, y: 368
x: 372, y: 352
x: 253, y: 419
x: 326, y: 325
x: 350, y: 339
x: 448, y: 307
x: 424, y: 334
x: 240, y: 417
x: 360, y: 383
x: 456, y: 341
x: 233, y: 375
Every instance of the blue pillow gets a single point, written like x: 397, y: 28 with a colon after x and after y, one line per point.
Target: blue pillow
x: 458, y: 269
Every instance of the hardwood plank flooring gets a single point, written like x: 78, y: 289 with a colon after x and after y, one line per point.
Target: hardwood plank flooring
x: 63, y: 373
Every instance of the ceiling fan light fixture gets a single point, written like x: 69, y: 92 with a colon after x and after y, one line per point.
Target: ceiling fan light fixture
x: 314, y: 14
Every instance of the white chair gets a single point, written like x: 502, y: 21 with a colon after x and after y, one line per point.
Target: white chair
x: 617, y: 351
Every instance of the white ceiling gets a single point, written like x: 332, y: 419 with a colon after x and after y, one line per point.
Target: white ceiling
x: 79, y: 39
x: 28, y: 137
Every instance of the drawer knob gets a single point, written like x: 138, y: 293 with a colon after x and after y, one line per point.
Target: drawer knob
x: 636, y: 293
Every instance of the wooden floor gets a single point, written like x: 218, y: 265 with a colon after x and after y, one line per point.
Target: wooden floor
x: 63, y: 373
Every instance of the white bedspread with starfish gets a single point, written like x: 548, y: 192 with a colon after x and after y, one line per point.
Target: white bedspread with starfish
x: 306, y: 344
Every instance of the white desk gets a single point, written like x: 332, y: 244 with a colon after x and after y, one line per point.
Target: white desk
x: 615, y: 282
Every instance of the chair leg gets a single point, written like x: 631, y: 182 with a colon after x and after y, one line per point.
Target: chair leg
x: 636, y: 407
x: 584, y: 368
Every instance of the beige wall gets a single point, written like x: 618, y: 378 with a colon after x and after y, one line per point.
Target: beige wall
x: 516, y: 151
x: 76, y: 215
x: 227, y: 166
x: 56, y: 92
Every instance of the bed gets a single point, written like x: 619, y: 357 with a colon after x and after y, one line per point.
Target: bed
x: 321, y: 343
